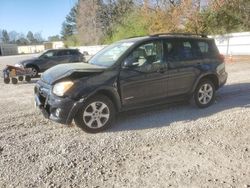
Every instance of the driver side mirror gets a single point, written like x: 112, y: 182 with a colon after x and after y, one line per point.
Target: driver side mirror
x: 130, y: 64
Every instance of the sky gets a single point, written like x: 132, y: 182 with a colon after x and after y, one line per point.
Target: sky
x: 42, y: 16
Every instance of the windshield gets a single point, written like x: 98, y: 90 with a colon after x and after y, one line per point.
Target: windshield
x: 47, y: 54
x: 109, y: 55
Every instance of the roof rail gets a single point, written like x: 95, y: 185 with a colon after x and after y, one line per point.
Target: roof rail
x: 135, y: 36
x: 185, y: 34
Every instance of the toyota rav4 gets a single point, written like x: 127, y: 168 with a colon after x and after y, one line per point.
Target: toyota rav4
x: 132, y: 73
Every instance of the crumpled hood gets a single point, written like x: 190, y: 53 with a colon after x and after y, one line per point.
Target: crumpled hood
x: 65, y: 70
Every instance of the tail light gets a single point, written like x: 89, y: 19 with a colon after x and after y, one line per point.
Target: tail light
x: 221, y: 68
x: 221, y: 58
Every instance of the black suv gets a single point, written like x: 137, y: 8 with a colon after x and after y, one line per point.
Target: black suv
x: 51, y: 58
x: 129, y: 74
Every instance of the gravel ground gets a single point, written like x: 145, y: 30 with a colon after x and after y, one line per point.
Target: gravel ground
x: 167, y: 146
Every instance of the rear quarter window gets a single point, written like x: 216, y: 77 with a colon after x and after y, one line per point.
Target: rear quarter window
x: 74, y: 52
x: 207, y: 48
x: 62, y: 53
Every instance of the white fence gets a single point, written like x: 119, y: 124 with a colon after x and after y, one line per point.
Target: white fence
x: 234, y: 43
x: 92, y: 50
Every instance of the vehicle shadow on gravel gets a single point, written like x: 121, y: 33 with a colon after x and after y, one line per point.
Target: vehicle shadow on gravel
x: 33, y: 81
x: 228, y: 97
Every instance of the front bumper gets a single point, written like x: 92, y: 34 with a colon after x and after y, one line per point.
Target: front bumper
x: 58, y: 109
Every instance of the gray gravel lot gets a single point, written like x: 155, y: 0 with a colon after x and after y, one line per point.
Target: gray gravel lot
x: 167, y: 146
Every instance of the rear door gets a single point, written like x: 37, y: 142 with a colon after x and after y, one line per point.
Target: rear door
x: 147, y: 80
x: 75, y: 56
x: 63, y: 56
x: 182, y: 58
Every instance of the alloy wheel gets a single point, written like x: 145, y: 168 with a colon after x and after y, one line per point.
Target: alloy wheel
x: 33, y: 72
x: 96, y: 115
x: 205, y: 93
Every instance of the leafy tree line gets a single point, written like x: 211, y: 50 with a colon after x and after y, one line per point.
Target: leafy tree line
x: 104, y: 21
x: 14, y: 37
x: 91, y: 21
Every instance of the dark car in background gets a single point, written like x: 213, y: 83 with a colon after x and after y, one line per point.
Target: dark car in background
x: 51, y: 58
x: 129, y: 74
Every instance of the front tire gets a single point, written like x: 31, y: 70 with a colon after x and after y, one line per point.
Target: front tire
x: 204, y: 94
x: 96, y: 114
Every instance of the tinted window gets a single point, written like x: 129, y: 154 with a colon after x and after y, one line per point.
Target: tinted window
x: 147, y: 57
x: 182, y: 51
x: 203, y: 46
x: 186, y: 51
x: 74, y: 52
x: 48, y: 54
x: 63, y: 53
x: 205, y: 49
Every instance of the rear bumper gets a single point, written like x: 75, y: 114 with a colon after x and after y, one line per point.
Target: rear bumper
x: 222, y: 79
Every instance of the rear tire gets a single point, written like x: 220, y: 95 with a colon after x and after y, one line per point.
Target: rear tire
x: 6, y: 80
x: 27, y: 78
x: 204, y: 94
x: 20, y: 78
x: 14, y: 80
x: 96, y: 114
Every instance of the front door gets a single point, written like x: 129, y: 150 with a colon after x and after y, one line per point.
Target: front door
x: 144, y: 79
x: 49, y: 59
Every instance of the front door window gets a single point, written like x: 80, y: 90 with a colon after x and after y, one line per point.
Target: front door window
x: 147, y: 57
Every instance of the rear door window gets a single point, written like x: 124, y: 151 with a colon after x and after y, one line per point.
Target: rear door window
x: 186, y: 51
x: 180, y: 51
x: 63, y: 53
x: 74, y: 52
x: 49, y: 54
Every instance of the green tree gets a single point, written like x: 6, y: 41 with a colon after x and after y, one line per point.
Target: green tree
x: 97, y: 19
x: 69, y: 29
x: 54, y: 38
x: 38, y: 37
x: 72, y: 41
x: 113, y: 13
x: 5, y: 36
x: 69, y: 25
x: 22, y: 41
x: 132, y: 25
x: 31, y: 38
x: 226, y: 17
